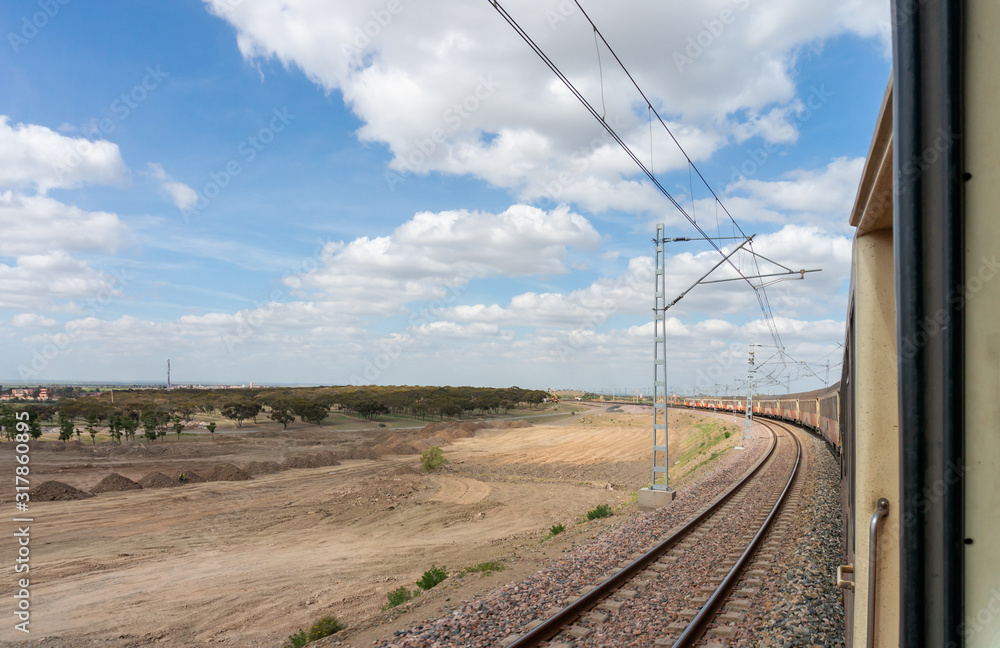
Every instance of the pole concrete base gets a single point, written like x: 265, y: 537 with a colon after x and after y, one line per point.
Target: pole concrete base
x: 650, y: 500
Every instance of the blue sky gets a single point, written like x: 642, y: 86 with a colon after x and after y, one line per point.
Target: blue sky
x: 399, y: 192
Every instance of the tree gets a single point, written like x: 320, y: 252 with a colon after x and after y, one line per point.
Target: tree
x: 91, y: 429
x: 282, y: 413
x: 65, y: 427
x: 115, y: 427
x: 315, y: 413
x: 211, y: 428
x: 129, y: 423
x: 240, y: 411
x: 178, y: 427
x: 35, y: 427
x: 149, y: 425
x: 8, y: 419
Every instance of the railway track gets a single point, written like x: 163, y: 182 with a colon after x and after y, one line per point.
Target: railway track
x: 748, y: 510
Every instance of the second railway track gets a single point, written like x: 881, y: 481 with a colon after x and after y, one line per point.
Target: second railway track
x: 677, y: 588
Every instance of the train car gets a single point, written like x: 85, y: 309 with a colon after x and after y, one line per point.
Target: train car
x: 920, y: 403
x: 916, y: 416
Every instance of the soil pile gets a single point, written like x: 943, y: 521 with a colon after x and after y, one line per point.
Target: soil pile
x: 228, y: 472
x: 262, y: 467
x: 157, y: 480
x: 188, y: 477
x: 54, y: 491
x: 360, y: 452
x: 115, y: 483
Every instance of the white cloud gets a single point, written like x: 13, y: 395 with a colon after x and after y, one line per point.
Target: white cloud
x: 183, y: 196
x: 37, y: 224
x: 426, y: 255
x: 830, y: 190
x: 53, y: 281
x: 36, y: 156
x: 465, y: 95
x: 32, y: 320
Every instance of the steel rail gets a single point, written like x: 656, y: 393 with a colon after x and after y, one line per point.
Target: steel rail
x: 696, y: 629
x: 559, y: 621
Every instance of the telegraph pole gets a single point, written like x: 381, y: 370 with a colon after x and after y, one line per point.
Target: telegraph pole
x: 748, y: 427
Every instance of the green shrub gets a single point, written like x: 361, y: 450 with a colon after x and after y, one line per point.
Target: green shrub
x: 432, y: 459
x: 554, y: 530
x: 432, y: 577
x: 297, y: 640
x: 325, y: 627
x: 400, y: 596
x: 728, y: 435
x: 602, y: 511
x: 483, y: 568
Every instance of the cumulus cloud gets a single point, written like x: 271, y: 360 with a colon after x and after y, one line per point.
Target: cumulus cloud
x: 183, y: 196
x: 431, y: 252
x: 35, y: 224
x: 32, y: 320
x: 464, y: 95
x: 53, y: 281
x: 39, y: 157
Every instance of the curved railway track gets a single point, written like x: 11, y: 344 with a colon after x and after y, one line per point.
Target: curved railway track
x: 599, y: 603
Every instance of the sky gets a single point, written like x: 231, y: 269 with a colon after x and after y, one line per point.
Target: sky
x: 401, y: 192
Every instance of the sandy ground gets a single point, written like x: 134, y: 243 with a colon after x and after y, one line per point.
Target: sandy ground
x: 249, y: 563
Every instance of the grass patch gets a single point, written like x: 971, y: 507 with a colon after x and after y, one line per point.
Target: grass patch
x: 432, y: 577
x: 554, y: 530
x: 398, y: 597
x: 483, y: 568
x: 602, y: 511
x: 324, y: 627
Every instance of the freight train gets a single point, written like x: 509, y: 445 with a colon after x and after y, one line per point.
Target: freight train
x: 915, y: 417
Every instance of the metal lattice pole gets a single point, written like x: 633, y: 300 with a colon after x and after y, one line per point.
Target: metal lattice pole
x: 748, y: 428
x: 660, y: 456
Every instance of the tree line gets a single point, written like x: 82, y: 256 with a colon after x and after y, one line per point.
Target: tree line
x: 156, y: 412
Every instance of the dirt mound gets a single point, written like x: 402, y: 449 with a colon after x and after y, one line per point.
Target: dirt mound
x: 157, y: 480
x: 114, y: 483
x: 360, y: 452
x: 228, y: 472
x: 262, y: 467
x: 54, y: 491
x: 190, y: 477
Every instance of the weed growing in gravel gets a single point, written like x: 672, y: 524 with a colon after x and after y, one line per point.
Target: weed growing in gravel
x: 602, y: 511
x: 432, y: 577
x: 483, y: 568
x: 554, y: 530
x: 433, y: 459
x: 398, y: 597
x: 325, y: 627
x: 297, y: 640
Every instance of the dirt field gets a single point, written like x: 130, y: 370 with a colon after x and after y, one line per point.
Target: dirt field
x: 247, y: 563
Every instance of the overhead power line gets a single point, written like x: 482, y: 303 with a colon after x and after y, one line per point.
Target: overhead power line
x: 759, y: 289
